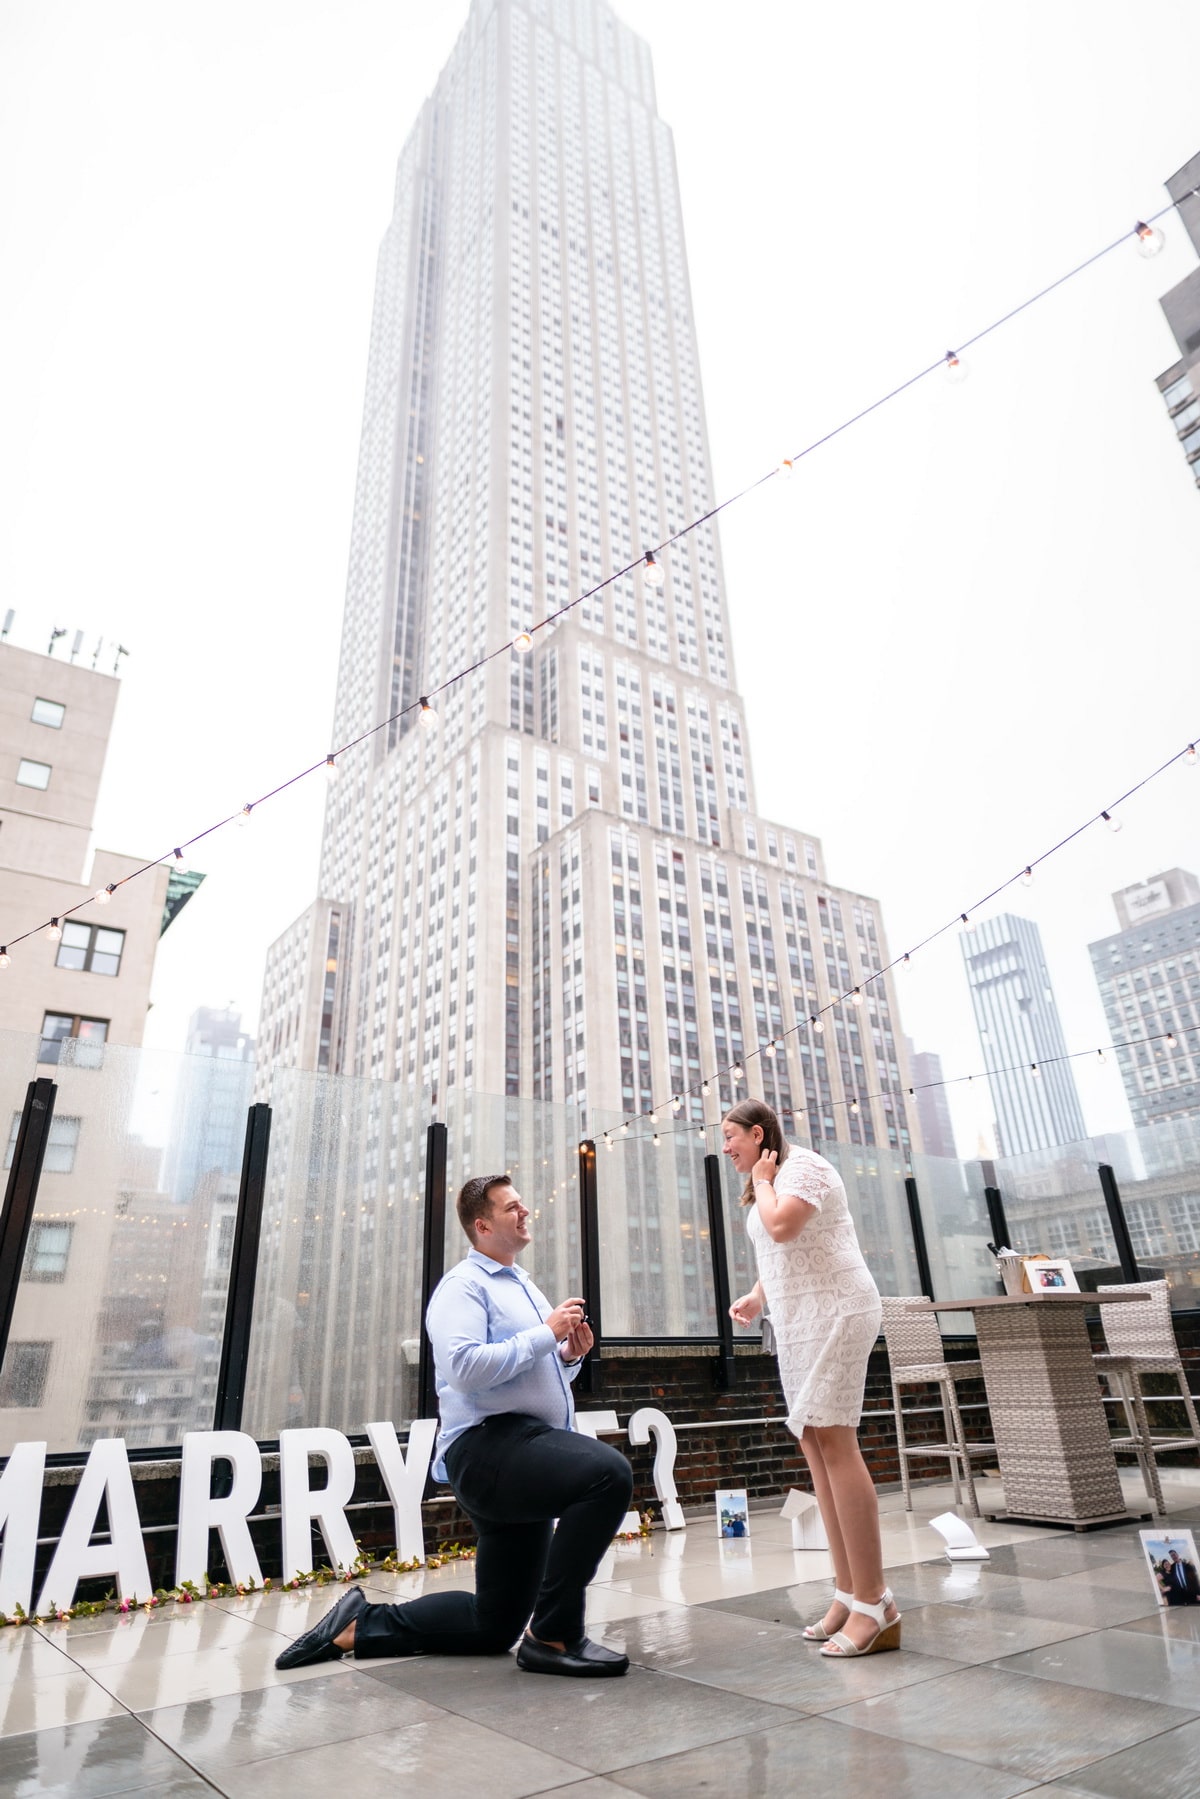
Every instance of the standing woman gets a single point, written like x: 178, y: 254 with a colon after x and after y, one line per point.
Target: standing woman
x: 826, y: 1315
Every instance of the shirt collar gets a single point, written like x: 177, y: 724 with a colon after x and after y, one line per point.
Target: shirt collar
x: 489, y: 1267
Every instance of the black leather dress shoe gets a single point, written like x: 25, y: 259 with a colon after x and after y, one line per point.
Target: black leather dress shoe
x: 317, y: 1644
x: 583, y: 1660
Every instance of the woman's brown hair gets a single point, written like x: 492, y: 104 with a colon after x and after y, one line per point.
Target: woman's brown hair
x: 751, y: 1112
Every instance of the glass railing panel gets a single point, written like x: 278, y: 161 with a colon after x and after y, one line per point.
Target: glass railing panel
x: 1054, y: 1206
x: 874, y: 1182
x: 1157, y: 1170
x: 957, y: 1232
x: 120, y: 1309
x: 336, y: 1330
x: 656, y: 1260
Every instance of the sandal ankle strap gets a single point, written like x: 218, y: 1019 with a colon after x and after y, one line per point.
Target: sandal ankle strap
x: 877, y: 1612
x: 846, y: 1599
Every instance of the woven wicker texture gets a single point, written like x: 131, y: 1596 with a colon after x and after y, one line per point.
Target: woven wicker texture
x: 916, y: 1356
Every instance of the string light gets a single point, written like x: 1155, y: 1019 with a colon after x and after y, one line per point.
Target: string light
x: 180, y: 861
x: 624, y: 1130
x: 1189, y: 755
x: 964, y: 921
x: 54, y: 930
x: 331, y: 768
x: 818, y: 1025
x: 854, y: 1107
x: 770, y: 1049
x: 705, y: 1089
x: 522, y: 642
x: 952, y: 362
x: 656, y: 1139
x: 244, y: 814
x: 677, y: 1104
x: 1170, y: 1040
x: 1150, y: 239
x: 5, y: 958
x: 1114, y: 824
x: 738, y: 1072
x: 856, y: 998
x: 786, y: 469
x: 1033, y: 1068
x: 105, y: 894
x: 1027, y: 878
x: 1100, y: 1056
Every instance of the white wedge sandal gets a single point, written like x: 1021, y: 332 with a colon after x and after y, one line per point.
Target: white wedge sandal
x: 840, y: 1647
x: 817, y: 1633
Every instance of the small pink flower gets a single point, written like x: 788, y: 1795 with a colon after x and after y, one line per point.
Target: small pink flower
x: 124, y: 1606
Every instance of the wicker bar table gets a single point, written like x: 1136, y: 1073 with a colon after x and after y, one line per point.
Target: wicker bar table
x: 1048, y: 1420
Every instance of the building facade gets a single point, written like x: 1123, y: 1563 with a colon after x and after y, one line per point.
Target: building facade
x: 563, y: 891
x: 1179, y: 385
x: 74, y: 1008
x: 932, y: 1106
x: 1148, y: 973
x: 1033, y: 1093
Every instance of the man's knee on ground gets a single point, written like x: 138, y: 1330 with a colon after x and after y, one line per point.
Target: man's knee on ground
x: 616, y: 1472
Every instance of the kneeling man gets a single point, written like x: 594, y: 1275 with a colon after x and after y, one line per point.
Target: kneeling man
x: 505, y: 1359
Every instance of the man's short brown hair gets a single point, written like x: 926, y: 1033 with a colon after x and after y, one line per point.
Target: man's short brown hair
x: 474, y: 1200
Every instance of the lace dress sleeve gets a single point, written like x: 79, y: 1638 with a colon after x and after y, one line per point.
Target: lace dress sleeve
x: 805, y: 1177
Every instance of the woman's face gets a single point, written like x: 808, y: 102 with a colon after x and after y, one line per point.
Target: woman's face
x: 743, y: 1146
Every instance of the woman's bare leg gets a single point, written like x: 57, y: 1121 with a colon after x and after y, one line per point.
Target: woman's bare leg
x: 836, y: 1616
x: 856, y: 1510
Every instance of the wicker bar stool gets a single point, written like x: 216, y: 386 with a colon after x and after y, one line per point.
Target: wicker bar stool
x: 916, y: 1355
x: 1141, y: 1341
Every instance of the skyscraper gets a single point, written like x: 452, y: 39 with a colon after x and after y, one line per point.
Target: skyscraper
x: 208, y: 1127
x: 932, y: 1105
x: 1148, y: 974
x: 1020, y: 1034
x: 1180, y: 384
x: 562, y: 890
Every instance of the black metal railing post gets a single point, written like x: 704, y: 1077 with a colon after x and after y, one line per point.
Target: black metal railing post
x: 917, y: 1226
x: 20, y: 1195
x: 589, y: 1261
x: 1120, y: 1224
x: 243, y: 1272
x: 996, y: 1217
x: 726, y: 1365
x: 433, y: 1259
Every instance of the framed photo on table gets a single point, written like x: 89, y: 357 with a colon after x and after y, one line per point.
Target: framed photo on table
x: 1041, y: 1275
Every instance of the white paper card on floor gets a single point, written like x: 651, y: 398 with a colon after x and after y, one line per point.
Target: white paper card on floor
x: 804, y: 1514
x: 733, y: 1513
x: 962, y: 1545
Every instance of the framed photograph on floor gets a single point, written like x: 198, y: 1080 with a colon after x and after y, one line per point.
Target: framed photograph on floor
x: 1174, y: 1568
x: 733, y: 1514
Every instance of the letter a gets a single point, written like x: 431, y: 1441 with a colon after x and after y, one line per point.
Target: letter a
x: 77, y: 1558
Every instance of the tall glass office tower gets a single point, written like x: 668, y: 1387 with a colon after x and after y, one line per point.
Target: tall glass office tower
x: 562, y: 891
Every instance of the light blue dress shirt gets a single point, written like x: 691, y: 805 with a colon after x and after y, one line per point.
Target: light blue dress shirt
x: 493, y: 1352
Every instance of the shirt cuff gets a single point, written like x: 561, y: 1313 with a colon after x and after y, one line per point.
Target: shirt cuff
x: 543, y: 1340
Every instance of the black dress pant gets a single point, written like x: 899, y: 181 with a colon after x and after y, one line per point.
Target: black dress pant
x: 513, y: 1475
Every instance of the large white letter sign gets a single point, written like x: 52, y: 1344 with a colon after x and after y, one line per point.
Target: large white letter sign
x: 20, y: 1508
x: 77, y: 1558
x: 199, y: 1512
x: 647, y: 1423
x: 604, y: 1424
x: 300, y: 1505
x: 404, y: 1479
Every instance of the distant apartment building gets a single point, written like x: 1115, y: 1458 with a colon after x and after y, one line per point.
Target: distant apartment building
x: 1180, y: 384
x: 73, y: 1004
x: 208, y: 1124
x: 1033, y: 1090
x: 1148, y: 973
x: 932, y: 1106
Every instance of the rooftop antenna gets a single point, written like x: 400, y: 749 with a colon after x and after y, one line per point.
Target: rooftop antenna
x: 96, y: 651
x: 8, y: 623
x: 56, y: 633
x: 77, y: 645
x: 121, y: 651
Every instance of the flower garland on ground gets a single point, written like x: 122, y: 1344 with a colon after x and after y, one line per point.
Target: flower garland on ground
x: 191, y: 1592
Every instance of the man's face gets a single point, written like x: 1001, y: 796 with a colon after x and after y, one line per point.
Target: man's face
x: 505, y: 1231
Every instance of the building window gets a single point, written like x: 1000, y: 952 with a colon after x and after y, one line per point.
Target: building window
x: 23, y: 1377
x: 47, y: 1251
x: 60, y: 1144
x: 76, y: 1042
x: 33, y: 774
x: 91, y: 948
x: 48, y: 712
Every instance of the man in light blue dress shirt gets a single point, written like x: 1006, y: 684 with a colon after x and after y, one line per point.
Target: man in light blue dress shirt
x: 505, y: 1359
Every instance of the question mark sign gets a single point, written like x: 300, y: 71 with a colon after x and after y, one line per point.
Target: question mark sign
x: 650, y: 1422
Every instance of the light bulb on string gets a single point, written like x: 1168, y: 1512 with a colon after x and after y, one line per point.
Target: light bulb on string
x: 104, y: 894
x: 1027, y: 878
x: 244, y: 814
x: 429, y: 717
x: 770, y: 1049
x: 906, y: 960
x: 964, y: 921
x: 54, y: 930
x: 677, y: 1104
x: 700, y: 1132
x: 522, y: 642
x: 607, y: 1141
x: 818, y: 1025
x: 179, y: 862
x: 655, y: 1140
x: 706, y: 1089
x: 1150, y: 239
x: 1189, y: 755
x: 1100, y: 1056
x: 624, y: 1130
x: 786, y: 469
x: 737, y: 1072
x: 955, y: 367
x: 856, y: 997
x: 331, y: 768
x: 652, y: 571
x: 5, y: 958
x: 1170, y: 1040
x: 1113, y: 823
x: 1034, y: 1069
x: 854, y: 1107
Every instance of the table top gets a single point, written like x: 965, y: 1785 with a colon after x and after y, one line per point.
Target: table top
x: 1024, y: 1299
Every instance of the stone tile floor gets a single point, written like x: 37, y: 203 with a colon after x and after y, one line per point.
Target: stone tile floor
x: 1048, y: 1669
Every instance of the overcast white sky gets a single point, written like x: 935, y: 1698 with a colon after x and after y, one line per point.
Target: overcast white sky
x: 959, y: 630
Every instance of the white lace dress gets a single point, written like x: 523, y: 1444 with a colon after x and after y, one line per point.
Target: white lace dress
x: 824, y: 1305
